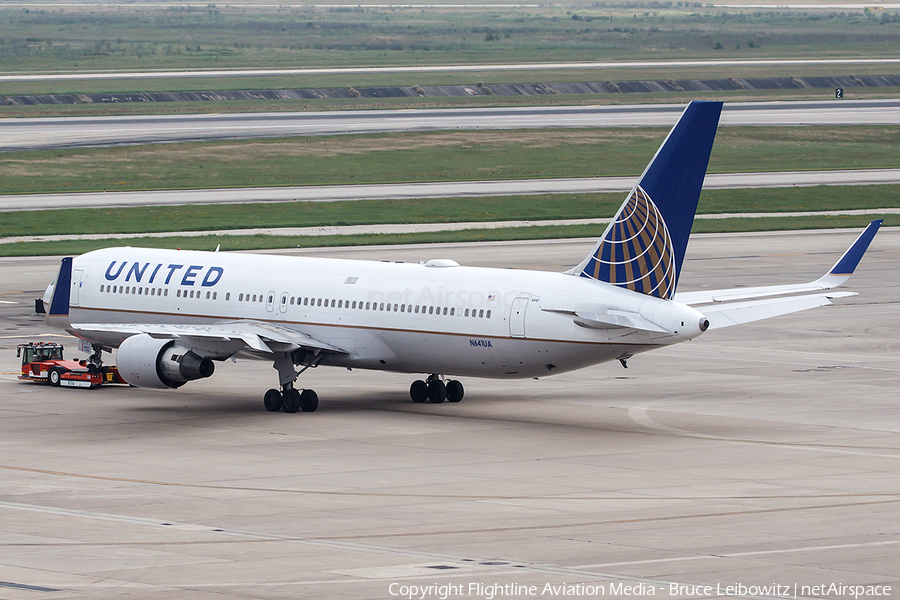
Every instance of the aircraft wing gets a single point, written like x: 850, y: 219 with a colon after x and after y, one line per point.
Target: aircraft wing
x: 838, y: 274
x: 736, y: 313
x: 258, y: 336
x: 723, y: 310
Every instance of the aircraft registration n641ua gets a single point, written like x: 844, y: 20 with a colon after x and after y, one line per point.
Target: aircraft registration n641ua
x: 173, y: 314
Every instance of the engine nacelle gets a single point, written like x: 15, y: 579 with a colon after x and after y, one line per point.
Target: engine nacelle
x: 144, y: 361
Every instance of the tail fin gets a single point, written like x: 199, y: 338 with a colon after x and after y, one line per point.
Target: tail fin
x: 59, y: 302
x: 643, y: 248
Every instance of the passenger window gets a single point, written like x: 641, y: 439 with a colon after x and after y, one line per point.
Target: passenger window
x: 488, y: 314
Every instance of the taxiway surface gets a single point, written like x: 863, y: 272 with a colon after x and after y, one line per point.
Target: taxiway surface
x: 446, y: 189
x: 70, y: 132
x: 754, y: 455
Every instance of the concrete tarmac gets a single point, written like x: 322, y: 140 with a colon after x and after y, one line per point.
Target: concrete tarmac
x: 759, y: 455
x: 76, y: 132
x: 445, y: 189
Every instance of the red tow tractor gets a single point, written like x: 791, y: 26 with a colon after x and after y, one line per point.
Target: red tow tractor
x: 43, y: 362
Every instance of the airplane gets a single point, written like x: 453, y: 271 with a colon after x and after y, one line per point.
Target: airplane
x: 173, y: 314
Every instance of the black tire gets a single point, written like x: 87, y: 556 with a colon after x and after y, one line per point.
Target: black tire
x: 291, y: 401
x: 309, y: 401
x: 273, y: 400
x: 455, y: 391
x: 437, y: 391
x: 418, y: 391
x: 54, y: 376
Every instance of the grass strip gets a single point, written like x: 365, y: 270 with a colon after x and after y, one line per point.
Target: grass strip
x: 432, y: 156
x: 430, y: 210
x: 258, y: 242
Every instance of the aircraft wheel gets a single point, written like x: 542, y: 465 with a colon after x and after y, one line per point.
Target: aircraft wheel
x: 273, y: 400
x: 418, y: 391
x: 437, y: 391
x: 291, y: 401
x: 309, y: 401
x: 54, y: 376
x: 455, y: 391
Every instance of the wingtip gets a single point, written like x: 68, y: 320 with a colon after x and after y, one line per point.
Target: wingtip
x: 850, y: 259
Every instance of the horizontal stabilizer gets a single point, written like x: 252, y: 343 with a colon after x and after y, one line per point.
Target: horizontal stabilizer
x: 736, y: 313
x: 612, y: 320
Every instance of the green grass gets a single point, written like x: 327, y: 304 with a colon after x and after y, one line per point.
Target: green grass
x: 487, y: 76
x: 439, y: 210
x: 233, y: 36
x: 119, y: 37
x: 432, y: 156
x: 232, y: 243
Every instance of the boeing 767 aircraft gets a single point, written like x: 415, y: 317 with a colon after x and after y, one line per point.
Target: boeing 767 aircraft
x: 173, y: 314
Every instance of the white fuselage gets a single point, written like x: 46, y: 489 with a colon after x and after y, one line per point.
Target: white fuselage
x: 419, y: 318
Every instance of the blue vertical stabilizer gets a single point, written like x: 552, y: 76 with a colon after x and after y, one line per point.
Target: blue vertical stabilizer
x: 59, y: 305
x: 643, y: 248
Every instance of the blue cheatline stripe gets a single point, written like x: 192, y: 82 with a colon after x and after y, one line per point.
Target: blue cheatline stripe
x: 848, y: 262
x: 59, y: 305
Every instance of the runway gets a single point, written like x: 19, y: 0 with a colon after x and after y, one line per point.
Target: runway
x: 756, y: 455
x: 469, y: 68
x: 71, y: 132
x: 450, y: 189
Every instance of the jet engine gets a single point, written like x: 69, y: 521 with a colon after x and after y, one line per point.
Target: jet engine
x: 144, y: 361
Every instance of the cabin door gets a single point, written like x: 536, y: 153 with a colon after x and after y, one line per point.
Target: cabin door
x: 517, y: 317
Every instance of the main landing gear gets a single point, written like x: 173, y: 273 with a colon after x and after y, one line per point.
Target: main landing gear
x: 435, y: 390
x: 289, y: 399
